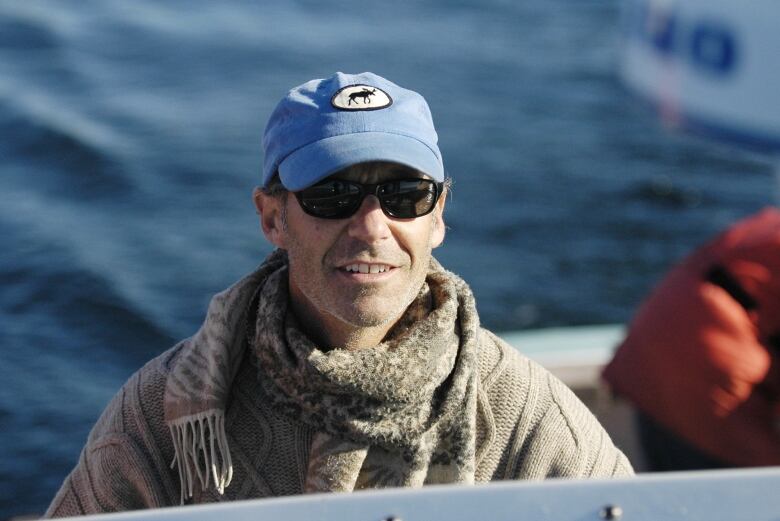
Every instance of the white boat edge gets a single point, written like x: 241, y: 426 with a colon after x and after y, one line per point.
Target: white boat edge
x: 726, y: 495
x: 574, y: 354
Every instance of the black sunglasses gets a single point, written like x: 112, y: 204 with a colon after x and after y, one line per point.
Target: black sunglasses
x: 400, y: 198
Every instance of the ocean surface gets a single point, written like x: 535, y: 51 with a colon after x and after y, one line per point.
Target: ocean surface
x: 131, y: 143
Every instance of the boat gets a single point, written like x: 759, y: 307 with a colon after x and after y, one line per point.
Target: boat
x: 683, y: 58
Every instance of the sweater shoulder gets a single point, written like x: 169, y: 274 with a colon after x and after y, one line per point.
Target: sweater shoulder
x: 142, y: 393
x: 125, y: 462
x: 543, y: 429
x: 514, y: 379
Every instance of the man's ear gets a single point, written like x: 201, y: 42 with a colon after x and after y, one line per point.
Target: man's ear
x: 438, y: 220
x: 270, y: 210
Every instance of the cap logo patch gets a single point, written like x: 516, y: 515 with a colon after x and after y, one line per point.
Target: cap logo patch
x: 361, y: 97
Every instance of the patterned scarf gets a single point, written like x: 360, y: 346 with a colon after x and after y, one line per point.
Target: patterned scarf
x: 401, y: 413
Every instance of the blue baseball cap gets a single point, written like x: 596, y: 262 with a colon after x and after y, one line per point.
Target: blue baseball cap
x: 326, y: 125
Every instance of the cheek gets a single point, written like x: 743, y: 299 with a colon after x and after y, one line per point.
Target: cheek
x: 305, y: 262
x: 308, y: 244
x: 437, y: 234
x: 418, y: 241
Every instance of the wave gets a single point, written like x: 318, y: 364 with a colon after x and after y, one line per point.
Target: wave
x: 26, y: 35
x: 80, y: 309
x: 69, y: 161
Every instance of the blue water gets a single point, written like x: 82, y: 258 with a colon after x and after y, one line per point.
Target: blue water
x: 131, y: 142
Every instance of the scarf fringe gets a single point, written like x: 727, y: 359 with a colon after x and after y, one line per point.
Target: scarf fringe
x: 197, y: 458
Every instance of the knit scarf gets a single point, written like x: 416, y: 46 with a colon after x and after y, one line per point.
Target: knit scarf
x: 401, y: 413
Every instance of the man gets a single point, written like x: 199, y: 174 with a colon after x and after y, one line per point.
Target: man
x: 350, y: 359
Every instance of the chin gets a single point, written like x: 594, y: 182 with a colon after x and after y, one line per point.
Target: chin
x: 363, y: 318
x: 376, y: 313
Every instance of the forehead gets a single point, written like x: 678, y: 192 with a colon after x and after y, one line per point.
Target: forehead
x: 377, y: 172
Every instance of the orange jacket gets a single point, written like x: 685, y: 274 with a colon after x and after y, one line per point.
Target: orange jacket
x: 701, y: 355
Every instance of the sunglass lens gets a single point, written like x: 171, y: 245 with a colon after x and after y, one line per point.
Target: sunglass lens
x: 332, y: 199
x: 408, y: 198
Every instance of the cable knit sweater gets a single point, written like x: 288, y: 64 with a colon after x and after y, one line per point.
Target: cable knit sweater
x: 528, y: 426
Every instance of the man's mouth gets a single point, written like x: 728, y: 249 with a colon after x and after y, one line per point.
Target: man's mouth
x: 366, y: 268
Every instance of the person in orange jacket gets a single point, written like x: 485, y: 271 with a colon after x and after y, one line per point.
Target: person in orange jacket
x: 700, y: 361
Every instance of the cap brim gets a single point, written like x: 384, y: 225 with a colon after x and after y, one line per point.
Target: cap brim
x: 318, y: 160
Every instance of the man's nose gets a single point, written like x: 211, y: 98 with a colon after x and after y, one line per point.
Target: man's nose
x: 369, y: 224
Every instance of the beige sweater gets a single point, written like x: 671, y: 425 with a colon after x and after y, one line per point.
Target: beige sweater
x: 530, y: 426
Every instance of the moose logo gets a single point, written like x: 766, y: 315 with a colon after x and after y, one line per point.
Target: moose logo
x: 365, y: 93
x: 361, y: 97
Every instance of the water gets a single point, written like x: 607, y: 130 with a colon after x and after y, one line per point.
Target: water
x: 130, y: 145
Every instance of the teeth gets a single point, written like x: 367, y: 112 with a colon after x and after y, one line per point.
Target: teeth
x: 367, y: 268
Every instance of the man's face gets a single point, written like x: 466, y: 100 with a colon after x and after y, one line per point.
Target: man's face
x: 329, y: 257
